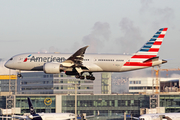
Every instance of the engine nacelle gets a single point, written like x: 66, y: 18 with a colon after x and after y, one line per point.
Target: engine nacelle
x: 52, y: 68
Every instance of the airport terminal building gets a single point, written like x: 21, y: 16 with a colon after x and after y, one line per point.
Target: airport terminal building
x: 105, y: 105
x: 99, y: 105
x: 54, y: 93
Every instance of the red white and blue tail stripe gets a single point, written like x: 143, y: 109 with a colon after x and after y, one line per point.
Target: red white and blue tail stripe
x: 149, y: 51
x: 151, y: 48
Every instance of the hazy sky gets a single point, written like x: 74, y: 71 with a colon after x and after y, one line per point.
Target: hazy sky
x: 107, y: 26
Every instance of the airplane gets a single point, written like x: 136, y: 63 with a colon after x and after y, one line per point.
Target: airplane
x: 43, y: 116
x: 79, y: 62
x: 163, y: 116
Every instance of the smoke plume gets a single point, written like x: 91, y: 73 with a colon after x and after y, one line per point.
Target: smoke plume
x: 100, y: 34
x: 49, y: 50
x: 161, y: 16
x: 145, y: 5
x: 129, y: 42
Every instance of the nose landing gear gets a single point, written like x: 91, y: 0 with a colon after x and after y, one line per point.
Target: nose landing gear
x: 19, y: 75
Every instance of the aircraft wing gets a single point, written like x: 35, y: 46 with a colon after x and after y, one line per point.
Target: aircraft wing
x: 135, y: 118
x: 75, y: 59
x: 5, y: 117
x: 15, y: 116
x: 90, y: 116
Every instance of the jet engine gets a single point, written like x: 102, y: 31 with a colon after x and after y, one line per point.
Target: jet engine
x: 52, y: 68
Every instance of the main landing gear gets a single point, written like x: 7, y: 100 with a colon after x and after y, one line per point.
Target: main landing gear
x: 19, y: 74
x: 88, y: 77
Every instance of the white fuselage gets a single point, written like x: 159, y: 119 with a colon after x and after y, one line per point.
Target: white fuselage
x: 57, y: 116
x: 46, y: 116
x: 93, y: 62
x: 79, y: 62
x: 165, y: 116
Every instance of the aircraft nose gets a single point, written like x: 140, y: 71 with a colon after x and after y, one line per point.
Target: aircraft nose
x: 7, y: 64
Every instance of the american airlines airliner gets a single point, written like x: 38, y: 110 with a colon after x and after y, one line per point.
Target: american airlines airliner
x: 79, y: 63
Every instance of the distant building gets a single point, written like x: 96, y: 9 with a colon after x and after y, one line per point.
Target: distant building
x: 120, y: 85
x: 171, y: 102
x: 104, y: 105
x: 5, y: 86
x: 94, y: 97
x: 106, y: 83
x: 41, y: 83
x: 148, y: 85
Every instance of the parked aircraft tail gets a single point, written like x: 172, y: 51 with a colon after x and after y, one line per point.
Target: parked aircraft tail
x: 31, y: 109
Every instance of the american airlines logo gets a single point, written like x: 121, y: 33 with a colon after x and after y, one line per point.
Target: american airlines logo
x: 45, y: 59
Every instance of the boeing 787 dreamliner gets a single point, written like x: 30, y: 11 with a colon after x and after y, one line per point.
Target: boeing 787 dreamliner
x: 79, y: 62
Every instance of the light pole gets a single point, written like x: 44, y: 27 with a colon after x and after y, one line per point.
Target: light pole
x: 75, y: 85
x: 124, y: 115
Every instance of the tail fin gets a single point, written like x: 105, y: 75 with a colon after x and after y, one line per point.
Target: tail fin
x: 31, y: 109
x: 151, y: 48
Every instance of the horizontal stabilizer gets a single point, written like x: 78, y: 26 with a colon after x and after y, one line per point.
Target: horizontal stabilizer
x: 151, y: 59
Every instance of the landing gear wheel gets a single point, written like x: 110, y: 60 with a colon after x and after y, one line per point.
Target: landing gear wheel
x: 82, y: 77
x: 77, y: 76
x: 92, y: 78
x: 88, y: 77
x: 19, y: 75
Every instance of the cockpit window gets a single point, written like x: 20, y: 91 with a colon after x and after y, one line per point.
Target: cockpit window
x: 11, y: 59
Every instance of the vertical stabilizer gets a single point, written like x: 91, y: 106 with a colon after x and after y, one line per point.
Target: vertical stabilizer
x: 146, y: 56
x: 151, y: 48
x: 31, y: 109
